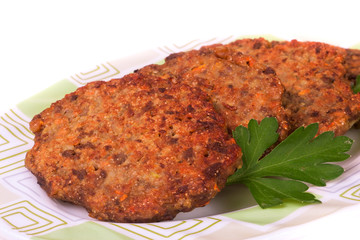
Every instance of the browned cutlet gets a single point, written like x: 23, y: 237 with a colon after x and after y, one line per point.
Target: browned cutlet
x: 240, y: 88
x: 352, y: 64
x: 136, y: 149
x: 314, y: 77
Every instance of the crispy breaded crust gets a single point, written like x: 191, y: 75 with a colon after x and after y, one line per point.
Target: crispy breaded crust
x: 314, y: 77
x: 352, y: 64
x: 136, y: 149
x: 241, y: 88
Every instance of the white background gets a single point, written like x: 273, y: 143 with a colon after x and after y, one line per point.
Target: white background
x: 42, y: 42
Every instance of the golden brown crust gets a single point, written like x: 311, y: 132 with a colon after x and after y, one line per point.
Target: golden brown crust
x: 241, y: 88
x: 313, y: 74
x: 352, y: 64
x: 136, y: 149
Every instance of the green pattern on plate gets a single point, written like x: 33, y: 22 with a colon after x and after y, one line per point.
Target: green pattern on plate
x: 35, y: 104
x: 84, y: 231
x: 356, y: 46
x: 100, y: 72
x: 25, y: 217
x: 260, y: 216
x: 196, y: 226
x: 352, y: 193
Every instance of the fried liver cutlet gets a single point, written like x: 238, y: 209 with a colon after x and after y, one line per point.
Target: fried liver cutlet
x: 240, y: 88
x: 314, y: 77
x: 135, y: 149
x: 352, y: 64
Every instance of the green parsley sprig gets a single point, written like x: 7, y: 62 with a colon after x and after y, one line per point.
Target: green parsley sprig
x: 300, y: 158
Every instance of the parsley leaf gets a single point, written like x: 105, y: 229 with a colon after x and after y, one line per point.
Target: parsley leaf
x: 270, y: 192
x: 356, y: 87
x: 301, y: 157
x: 254, y: 147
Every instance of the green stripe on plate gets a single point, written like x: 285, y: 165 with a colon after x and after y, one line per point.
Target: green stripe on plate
x: 356, y: 46
x: 84, y: 231
x: 37, y: 103
x: 262, y: 217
